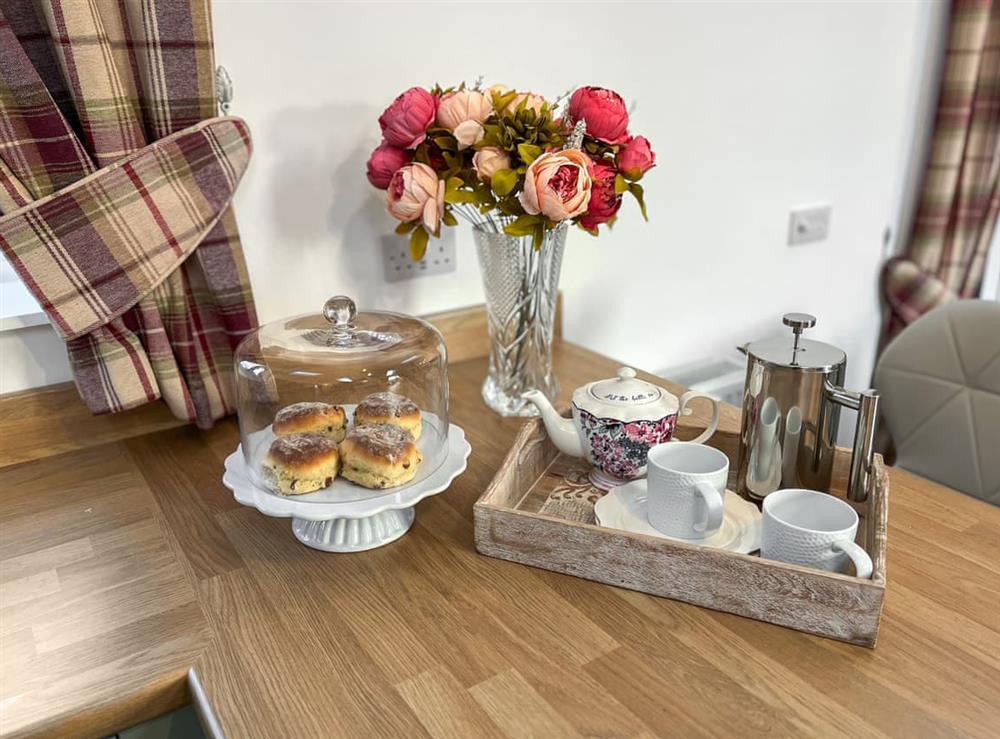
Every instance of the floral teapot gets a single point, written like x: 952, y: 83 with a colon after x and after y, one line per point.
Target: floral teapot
x: 616, y: 422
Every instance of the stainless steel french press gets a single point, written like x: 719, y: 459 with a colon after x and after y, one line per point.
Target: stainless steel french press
x: 791, y: 412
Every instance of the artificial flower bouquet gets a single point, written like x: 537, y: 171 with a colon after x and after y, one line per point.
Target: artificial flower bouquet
x: 506, y: 161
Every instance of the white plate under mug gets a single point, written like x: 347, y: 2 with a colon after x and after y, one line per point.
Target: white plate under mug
x: 624, y: 508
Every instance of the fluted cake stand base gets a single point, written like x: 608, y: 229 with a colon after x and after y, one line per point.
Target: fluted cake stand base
x: 357, y: 524
x: 354, y: 534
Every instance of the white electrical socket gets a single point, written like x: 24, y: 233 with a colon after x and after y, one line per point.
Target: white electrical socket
x: 439, y: 259
x: 809, y: 224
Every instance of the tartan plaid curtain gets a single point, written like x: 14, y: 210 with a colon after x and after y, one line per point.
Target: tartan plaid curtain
x: 960, y: 199
x: 115, y: 183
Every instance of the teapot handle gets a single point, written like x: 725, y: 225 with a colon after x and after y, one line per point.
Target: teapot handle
x: 716, y: 412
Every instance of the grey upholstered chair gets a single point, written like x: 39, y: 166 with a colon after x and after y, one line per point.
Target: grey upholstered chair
x: 940, y: 386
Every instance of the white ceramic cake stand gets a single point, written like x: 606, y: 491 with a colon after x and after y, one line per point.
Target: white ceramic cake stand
x: 370, y: 519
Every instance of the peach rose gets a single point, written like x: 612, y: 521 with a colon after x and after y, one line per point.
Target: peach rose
x: 488, y: 160
x: 534, y: 102
x: 557, y: 185
x: 416, y: 192
x: 463, y: 113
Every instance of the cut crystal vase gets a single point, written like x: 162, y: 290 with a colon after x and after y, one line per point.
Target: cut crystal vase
x: 521, y: 285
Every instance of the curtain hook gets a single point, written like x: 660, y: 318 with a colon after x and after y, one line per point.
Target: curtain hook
x: 223, y: 89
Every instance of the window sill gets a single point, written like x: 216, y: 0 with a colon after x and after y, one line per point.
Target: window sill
x: 18, y: 307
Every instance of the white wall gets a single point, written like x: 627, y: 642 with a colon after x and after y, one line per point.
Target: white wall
x: 752, y: 109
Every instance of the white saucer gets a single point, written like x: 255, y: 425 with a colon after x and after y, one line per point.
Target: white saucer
x: 624, y: 508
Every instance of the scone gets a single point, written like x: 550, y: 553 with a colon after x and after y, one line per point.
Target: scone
x: 311, y: 418
x: 301, y: 463
x: 379, y: 456
x: 389, y: 408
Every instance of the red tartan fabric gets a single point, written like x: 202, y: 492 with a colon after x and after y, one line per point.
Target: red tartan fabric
x: 960, y: 198
x: 87, y: 85
x: 910, y: 292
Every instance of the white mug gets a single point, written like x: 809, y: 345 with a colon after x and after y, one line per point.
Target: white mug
x: 806, y: 527
x: 685, y: 489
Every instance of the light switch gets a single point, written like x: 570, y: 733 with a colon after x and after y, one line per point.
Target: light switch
x: 809, y: 224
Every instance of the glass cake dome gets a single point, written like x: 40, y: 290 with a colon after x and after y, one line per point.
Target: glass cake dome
x: 340, y: 357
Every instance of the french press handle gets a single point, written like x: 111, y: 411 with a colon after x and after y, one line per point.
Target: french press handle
x: 863, y: 453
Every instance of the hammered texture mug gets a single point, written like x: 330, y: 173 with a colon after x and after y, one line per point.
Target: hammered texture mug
x: 806, y: 527
x: 686, y: 488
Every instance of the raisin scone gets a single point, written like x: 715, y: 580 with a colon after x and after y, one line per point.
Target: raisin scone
x: 311, y: 418
x: 379, y: 456
x: 301, y: 463
x: 390, y: 409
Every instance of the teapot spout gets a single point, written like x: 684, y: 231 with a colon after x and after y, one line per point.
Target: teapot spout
x: 561, y: 430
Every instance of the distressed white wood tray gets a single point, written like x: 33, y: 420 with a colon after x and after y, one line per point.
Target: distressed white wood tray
x: 538, y: 511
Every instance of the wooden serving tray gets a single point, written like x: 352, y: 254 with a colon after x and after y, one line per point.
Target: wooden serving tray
x: 538, y: 511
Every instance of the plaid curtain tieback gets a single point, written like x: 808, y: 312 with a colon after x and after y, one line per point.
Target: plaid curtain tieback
x: 92, y: 250
x: 912, y: 291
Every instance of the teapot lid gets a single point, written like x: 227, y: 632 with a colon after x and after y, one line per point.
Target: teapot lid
x: 793, y: 351
x: 625, y: 390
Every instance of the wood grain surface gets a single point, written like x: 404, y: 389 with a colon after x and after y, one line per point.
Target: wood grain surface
x: 127, y: 562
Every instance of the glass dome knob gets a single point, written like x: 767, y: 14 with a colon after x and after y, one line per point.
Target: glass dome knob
x: 340, y: 310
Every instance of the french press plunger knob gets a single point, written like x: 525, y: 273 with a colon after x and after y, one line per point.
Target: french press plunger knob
x: 799, y: 322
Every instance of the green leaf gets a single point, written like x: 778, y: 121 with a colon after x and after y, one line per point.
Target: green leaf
x: 503, y: 182
x: 528, y: 152
x: 636, y: 189
x: 453, y: 183
x: 524, y: 225
x: 418, y: 244
x: 446, y: 143
x: 404, y: 228
x: 511, y: 207
x: 502, y: 101
x: 491, y: 138
x: 538, y: 237
x: 448, y: 218
x: 459, y: 196
x: 620, y: 184
x: 483, y: 196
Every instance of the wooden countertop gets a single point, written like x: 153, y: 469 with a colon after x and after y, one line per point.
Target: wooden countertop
x: 124, y: 564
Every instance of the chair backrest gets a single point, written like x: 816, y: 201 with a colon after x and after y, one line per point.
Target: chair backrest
x: 940, y: 386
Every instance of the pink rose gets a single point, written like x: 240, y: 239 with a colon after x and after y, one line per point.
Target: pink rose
x: 488, y: 160
x: 416, y: 192
x: 405, y: 122
x: 603, y: 110
x: 604, y: 201
x: 557, y: 184
x: 635, y: 158
x: 463, y: 113
x: 384, y: 162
